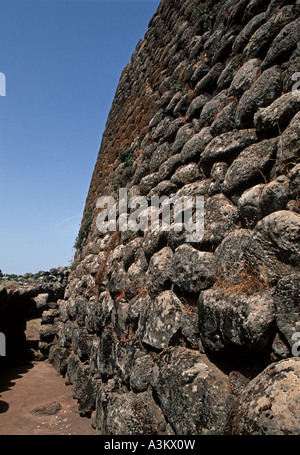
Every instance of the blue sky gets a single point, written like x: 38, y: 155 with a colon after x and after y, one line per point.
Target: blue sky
x: 62, y: 61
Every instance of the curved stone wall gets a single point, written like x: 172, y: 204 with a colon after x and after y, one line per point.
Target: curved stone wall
x: 157, y: 335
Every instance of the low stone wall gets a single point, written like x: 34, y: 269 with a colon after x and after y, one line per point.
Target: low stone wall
x: 24, y: 299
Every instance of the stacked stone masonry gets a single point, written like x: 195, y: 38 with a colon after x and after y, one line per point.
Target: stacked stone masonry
x: 159, y: 336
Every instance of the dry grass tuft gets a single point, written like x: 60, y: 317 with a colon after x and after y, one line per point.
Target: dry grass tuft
x: 243, y: 279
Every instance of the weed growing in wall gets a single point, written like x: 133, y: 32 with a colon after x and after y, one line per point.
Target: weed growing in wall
x: 84, y: 229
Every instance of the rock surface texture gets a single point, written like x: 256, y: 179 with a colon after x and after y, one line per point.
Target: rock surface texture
x: 157, y: 335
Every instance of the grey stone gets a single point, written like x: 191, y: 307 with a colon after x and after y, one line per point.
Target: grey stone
x: 161, y: 129
x: 263, y: 37
x: 164, y: 188
x: 133, y: 364
x: 212, y: 108
x: 120, y: 413
x: 41, y: 301
x: 275, y: 195
x: 200, y: 73
x: 227, y: 145
x: 288, y: 148
x: 174, y: 126
x: 207, y: 82
x: 48, y: 409
x: 148, y: 182
x: 228, y: 72
x: 278, y: 115
x: 225, y: 120
x: 230, y: 320
x: 196, y: 106
x: 286, y: 301
x: 283, y: 44
x: 183, y: 135
x: 159, y: 271
x: 182, y: 106
x: 186, y: 174
x: 221, y: 208
x: 282, y: 230
x: 246, y: 33
x: 249, y: 165
x: 160, y: 154
x: 192, y: 392
x: 269, y: 405
x: 217, y: 175
x: 192, y: 270
x: 294, y: 177
x: 98, y: 312
x: 195, y: 146
x: 249, y: 205
x: 245, y: 76
x: 261, y: 94
x: 164, y: 318
x: 169, y: 167
x: 247, y: 258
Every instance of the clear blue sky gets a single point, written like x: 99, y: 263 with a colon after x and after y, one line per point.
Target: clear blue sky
x: 62, y: 60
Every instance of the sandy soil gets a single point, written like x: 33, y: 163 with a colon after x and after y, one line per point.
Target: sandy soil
x: 26, y: 386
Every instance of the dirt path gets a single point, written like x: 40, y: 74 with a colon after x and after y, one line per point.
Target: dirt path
x: 34, y: 400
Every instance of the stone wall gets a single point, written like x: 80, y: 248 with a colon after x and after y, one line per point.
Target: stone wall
x: 26, y: 298
x: 160, y: 336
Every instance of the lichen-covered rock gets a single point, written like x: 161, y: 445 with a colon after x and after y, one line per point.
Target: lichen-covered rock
x: 249, y: 165
x: 209, y: 80
x: 227, y: 145
x: 245, y: 76
x: 249, y: 29
x: 183, y: 135
x: 288, y: 148
x: 294, y: 177
x: 249, y: 206
x: 282, y: 230
x: 133, y: 365
x: 196, y: 106
x: 224, y: 120
x: 221, y: 208
x: 159, y: 271
x: 212, y: 108
x: 192, y: 270
x: 269, y: 405
x: 231, y: 254
x: 286, y: 301
x: 98, y: 312
x: 186, y: 174
x: 283, y: 44
x: 164, y: 318
x: 192, y: 392
x: 263, y: 37
x: 263, y: 92
x: 195, y: 146
x: 120, y: 413
x: 275, y: 195
x: 231, y: 320
x: 217, y: 175
x: 277, y: 116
